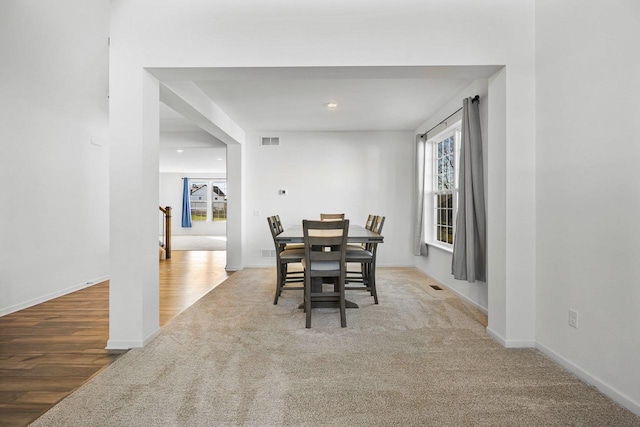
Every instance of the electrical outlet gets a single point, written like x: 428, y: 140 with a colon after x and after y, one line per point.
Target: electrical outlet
x: 573, y: 318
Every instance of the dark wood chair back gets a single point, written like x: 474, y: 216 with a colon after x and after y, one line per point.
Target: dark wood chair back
x: 275, y: 230
x: 325, y: 247
x: 325, y: 244
x: 377, y: 224
x: 331, y: 217
x: 370, y: 221
x: 284, y: 257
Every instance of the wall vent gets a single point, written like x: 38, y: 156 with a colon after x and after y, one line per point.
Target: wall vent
x: 268, y: 253
x: 270, y: 140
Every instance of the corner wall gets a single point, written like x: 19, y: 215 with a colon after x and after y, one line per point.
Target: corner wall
x: 438, y: 263
x: 54, y: 149
x: 588, y: 200
x: 378, y: 33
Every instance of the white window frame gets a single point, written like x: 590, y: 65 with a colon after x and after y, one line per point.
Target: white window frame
x: 209, y: 198
x: 431, y: 185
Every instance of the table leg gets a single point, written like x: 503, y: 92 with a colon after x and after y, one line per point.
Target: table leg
x: 316, y: 287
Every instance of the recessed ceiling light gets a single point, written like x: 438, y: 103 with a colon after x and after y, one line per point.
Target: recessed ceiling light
x: 179, y: 151
x: 332, y: 104
x: 219, y: 159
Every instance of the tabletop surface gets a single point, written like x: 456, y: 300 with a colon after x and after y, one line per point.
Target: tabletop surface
x: 357, y: 234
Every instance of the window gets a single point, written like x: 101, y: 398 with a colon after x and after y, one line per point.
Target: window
x: 219, y: 200
x: 446, y: 148
x: 198, y: 195
x: 208, y: 199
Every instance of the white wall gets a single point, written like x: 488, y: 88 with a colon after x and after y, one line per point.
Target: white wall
x: 376, y: 32
x: 588, y: 199
x: 54, y: 182
x: 356, y: 173
x: 438, y: 263
x: 171, y: 195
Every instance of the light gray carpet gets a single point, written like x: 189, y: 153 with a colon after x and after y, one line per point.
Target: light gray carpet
x: 420, y: 357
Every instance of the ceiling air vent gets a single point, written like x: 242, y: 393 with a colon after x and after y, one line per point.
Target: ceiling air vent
x: 270, y: 140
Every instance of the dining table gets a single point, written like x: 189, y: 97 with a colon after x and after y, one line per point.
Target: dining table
x: 357, y: 234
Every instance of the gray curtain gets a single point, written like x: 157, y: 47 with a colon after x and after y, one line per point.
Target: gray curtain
x: 419, y: 247
x: 470, y: 240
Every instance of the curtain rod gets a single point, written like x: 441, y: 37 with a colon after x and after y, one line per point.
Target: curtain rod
x: 475, y: 99
x: 210, y: 179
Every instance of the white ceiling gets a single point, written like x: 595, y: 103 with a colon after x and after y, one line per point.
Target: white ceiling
x: 200, y: 152
x: 295, y: 98
x: 301, y: 105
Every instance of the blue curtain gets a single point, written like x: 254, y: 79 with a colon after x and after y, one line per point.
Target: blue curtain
x: 186, y: 204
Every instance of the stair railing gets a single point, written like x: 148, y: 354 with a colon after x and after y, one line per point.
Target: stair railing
x: 166, y: 212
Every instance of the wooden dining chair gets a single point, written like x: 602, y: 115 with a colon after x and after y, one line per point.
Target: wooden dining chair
x: 331, y: 217
x: 284, y: 257
x: 325, y: 244
x: 366, y: 257
x: 280, y: 229
x: 368, y: 225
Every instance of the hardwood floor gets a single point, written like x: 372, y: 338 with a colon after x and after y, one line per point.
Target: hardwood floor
x: 49, y: 350
x: 186, y: 277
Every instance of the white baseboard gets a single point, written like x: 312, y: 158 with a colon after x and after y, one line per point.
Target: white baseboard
x: 126, y: 345
x: 510, y: 343
x: 45, y: 298
x: 396, y: 266
x: 234, y: 267
x: 615, y: 395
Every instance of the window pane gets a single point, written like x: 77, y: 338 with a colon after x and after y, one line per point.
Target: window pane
x: 219, y: 201
x: 444, y: 175
x: 198, y: 199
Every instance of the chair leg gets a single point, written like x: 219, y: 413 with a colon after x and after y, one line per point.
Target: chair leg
x: 372, y: 282
x: 343, y: 311
x: 279, y: 280
x: 307, y: 300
